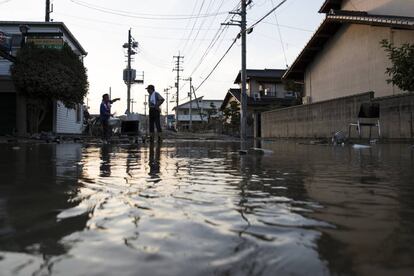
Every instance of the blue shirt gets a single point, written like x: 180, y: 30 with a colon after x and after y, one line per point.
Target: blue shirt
x: 105, y: 111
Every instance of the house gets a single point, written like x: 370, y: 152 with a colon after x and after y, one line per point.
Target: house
x: 196, y: 112
x: 344, y: 66
x: 344, y: 57
x: 14, y: 113
x: 265, y: 91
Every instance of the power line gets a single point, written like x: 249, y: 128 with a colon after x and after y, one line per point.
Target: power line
x: 281, y: 39
x: 218, y: 63
x: 289, y: 27
x: 202, y: 24
x: 194, y: 24
x: 141, y: 15
x: 266, y: 15
x: 128, y: 25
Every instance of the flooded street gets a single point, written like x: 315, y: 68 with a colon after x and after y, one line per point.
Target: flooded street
x: 199, y: 208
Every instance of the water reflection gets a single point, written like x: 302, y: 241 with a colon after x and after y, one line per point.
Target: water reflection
x: 154, y: 158
x: 105, y: 167
x: 197, y: 208
x: 37, y: 182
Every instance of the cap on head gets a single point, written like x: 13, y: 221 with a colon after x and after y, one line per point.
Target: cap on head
x: 150, y: 87
x: 105, y: 95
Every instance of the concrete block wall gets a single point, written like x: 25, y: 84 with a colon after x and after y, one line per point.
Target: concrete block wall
x: 322, y: 119
x: 397, y: 116
x: 316, y: 120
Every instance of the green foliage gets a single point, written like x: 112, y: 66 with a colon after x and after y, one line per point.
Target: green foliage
x: 293, y: 86
x: 402, y: 70
x: 231, y: 117
x: 50, y: 74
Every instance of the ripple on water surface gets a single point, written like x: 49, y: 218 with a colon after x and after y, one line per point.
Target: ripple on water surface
x: 190, y: 209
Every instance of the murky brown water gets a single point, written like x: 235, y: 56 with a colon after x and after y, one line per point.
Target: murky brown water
x: 198, y: 208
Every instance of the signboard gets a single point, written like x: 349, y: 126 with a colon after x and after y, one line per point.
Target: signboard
x: 5, y: 41
x: 47, y: 43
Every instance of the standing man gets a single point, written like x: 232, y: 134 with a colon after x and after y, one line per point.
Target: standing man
x: 155, y: 101
x: 105, y: 114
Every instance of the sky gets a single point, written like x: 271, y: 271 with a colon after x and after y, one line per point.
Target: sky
x: 167, y: 28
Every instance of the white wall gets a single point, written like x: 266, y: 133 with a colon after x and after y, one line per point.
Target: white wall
x: 384, y: 7
x: 66, y: 120
x: 353, y: 62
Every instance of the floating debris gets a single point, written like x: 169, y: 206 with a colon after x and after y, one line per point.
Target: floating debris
x: 358, y: 146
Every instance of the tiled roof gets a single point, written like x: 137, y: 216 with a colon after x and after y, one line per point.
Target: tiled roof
x: 330, y: 5
x: 262, y: 74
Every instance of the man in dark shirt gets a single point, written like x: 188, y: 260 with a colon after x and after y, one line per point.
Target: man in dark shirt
x: 105, y: 115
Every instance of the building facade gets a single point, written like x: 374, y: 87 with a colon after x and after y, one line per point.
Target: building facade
x: 13, y: 106
x: 196, y: 112
x: 265, y: 91
x: 345, y: 56
x: 344, y: 66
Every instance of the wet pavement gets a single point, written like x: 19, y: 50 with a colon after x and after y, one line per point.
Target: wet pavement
x: 199, y: 208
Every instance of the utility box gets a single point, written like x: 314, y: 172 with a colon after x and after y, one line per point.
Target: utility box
x: 130, y: 127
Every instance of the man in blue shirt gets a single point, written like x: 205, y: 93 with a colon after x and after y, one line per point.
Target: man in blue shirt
x: 105, y: 115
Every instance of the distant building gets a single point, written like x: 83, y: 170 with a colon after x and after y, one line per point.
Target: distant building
x: 13, y: 107
x: 265, y: 91
x: 197, y: 111
x: 344, y: 57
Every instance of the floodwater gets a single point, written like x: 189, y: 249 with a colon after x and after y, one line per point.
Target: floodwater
x: 199, y: 208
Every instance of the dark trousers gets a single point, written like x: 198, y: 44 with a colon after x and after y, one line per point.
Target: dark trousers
x: 106, y: 130
x: 154, y: 119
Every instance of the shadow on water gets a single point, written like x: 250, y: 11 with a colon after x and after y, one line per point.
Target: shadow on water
x: 200, y: 208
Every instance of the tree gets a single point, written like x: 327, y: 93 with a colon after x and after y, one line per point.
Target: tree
x: 47, y: 75
x: 231, y: 116
x: 402, y: 69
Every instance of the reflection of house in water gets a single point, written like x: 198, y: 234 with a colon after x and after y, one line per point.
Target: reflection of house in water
x: 49, y: 175
x: 367, y: 201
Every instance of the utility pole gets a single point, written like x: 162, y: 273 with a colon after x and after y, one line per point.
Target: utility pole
x: 129, y: 70
x: 129, y: 73
x: 167, y: 93
x: 191, y: 104
x: 190, y: 94
x: 243, y: 99
x: 243, y: 117
x: 48, y: 11
x: 132, y: 105
x: 178, y: 68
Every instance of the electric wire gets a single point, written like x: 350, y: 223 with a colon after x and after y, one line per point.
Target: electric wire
x: 281, y: 39
x: 127, y: 25
x: 266, y: 15
x: 217, y: 64
x: 196, y: 49
x: 193, y: 27
x: 143, y: 16
x: 201, y: 25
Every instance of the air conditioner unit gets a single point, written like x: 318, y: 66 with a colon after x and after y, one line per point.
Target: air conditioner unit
x: 307, y: 100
